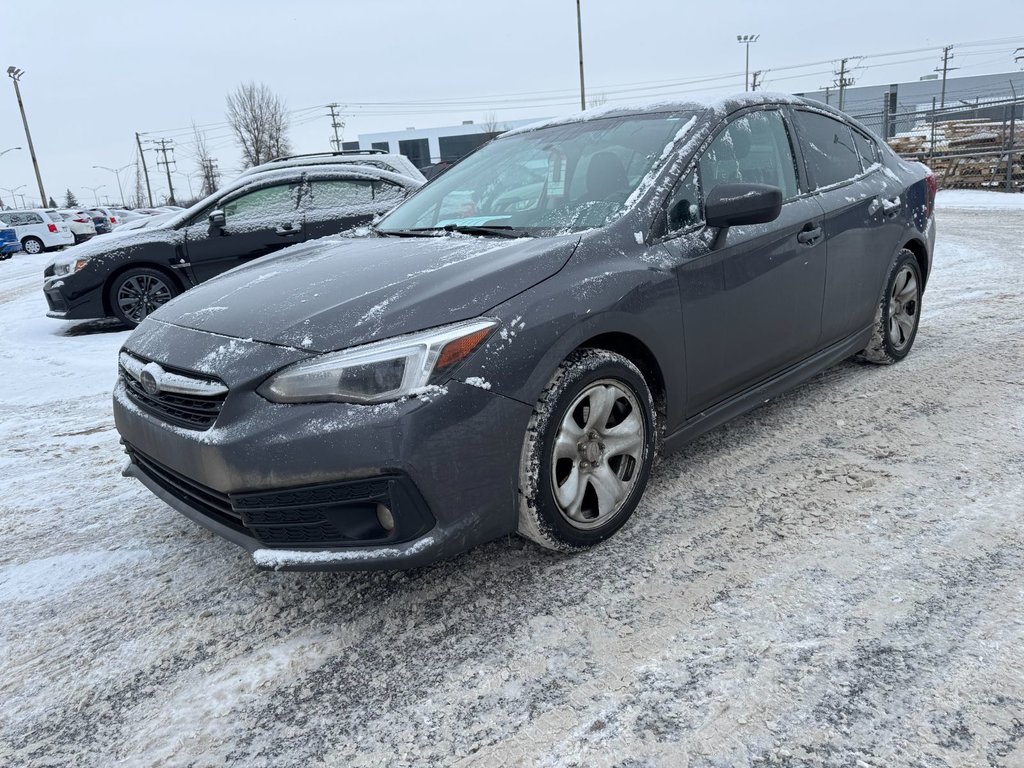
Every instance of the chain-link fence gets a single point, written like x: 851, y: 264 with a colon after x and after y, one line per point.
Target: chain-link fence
x: 968, y: 146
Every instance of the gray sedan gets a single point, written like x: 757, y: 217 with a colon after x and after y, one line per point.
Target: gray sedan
x: 509, y: 348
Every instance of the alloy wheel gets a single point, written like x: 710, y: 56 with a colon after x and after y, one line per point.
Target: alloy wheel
x: 140, y: 295
x: 32, y: 247
x: 904, y: 303
x: 598, y: 453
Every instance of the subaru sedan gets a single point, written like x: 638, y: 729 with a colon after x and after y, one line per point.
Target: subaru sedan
x: 510, y: 347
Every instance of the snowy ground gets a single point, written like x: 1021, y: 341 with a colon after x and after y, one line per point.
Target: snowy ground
x: 835, y: 579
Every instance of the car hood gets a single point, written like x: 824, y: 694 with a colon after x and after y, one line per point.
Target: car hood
x: 335, y: 293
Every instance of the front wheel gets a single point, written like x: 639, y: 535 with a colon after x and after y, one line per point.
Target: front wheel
x: 898, y: 313
x: 137, y: 293
x: 588, y: 451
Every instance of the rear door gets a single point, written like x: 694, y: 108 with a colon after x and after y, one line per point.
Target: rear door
x: 751, y: 305
x: 256, y: 222
x: 334, y: 205
x: 860, y: 202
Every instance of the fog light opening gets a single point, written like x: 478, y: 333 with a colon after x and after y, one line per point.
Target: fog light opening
x: 385, y: 518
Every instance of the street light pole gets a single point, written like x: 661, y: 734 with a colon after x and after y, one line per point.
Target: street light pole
x: 117, y: 173
x: 12, y: 192
x: 15, y: 74
x: 747, y: 40
x: 579, y: 37
x: 8, y: 150
x: 95, y: 193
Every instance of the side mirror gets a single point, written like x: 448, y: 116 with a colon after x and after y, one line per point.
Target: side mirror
x: 217, y: 219
x: 733, y: 205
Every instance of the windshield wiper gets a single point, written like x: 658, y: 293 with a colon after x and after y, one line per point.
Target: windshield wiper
x: 494, y: 230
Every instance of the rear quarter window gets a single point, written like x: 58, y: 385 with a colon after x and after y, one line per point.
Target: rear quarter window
x: 866, y: 148
x: 829, y: 149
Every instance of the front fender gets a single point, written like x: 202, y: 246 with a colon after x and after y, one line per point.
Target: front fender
x: 542, y: 326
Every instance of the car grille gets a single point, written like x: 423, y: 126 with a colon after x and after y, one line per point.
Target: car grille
x: 211, y: 503
x: 189, y: 411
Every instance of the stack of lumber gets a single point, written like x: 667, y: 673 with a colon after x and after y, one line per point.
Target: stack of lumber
x: 968, y: 154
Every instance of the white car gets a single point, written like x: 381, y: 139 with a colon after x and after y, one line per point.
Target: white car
x: 38, y: 231
x: 80, y: 223
x: 146, y: 222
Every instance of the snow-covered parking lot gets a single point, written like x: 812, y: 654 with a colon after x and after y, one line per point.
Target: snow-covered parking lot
x: 835, y: 579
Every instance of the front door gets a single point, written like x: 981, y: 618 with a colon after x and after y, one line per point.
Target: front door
x: 752, y: 301
x: 256, y: 223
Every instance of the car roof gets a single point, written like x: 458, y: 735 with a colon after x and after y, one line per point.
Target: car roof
x: 397, y: 163
x: 721, y: 107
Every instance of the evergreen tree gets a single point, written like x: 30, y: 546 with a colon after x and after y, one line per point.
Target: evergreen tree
x: 70, y: 201
x: 52, y: 203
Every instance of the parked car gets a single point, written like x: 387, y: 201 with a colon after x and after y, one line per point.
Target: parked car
x: 109, y: 214
x: 38, y: 231
x: 495, y: 360
x: 100, y: 221
x: 79, y: 222
x: 146, y: 222
x: 129, y: 275
x: 9, y: 244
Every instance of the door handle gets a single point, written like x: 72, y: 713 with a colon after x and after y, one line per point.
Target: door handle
x: 809, y: 235
x: 875, y: 207
x: 892, y: 206
x: 287, y: 230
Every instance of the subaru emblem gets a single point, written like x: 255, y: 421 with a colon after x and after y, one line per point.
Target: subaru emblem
x: 150, y: 378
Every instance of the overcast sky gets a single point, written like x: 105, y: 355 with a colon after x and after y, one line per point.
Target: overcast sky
x: 95, y: 74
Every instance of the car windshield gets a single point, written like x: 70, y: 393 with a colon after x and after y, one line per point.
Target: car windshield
x: 564, y: 178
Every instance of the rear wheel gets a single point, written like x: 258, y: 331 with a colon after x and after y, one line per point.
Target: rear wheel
x: 32, y: 245
x: 587, y: 454
x: 898, y: 313
x: 137, y: 293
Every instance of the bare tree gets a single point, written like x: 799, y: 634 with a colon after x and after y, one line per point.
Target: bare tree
x: 597, y: 100
x: 491, y: 126
x: 208, y: 171
x: 260, y: 122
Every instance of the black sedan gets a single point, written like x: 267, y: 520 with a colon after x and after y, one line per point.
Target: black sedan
x: 129, y: 274
x: 509, y: 348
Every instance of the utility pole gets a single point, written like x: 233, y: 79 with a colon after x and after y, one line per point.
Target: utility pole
x: 15, y: 74
x: 755, y: 80
x: 209, y: 176
x: 747, y: 40
x: 336, y: 141
x: 828, y: 95
x: 947, y: 54
x: 843, y: 82
x: 579, y: 37
x: 164, y: 148
x: 145, y: 170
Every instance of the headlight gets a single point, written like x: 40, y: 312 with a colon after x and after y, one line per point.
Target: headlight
x: 378, y: 372
x: 68, y: 267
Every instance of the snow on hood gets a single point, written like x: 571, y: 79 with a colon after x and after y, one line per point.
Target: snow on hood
x: 337, y: 292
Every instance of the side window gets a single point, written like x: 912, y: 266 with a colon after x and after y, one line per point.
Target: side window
x: 385, y: 192
x: 828, y: 145
x: 262, y: 203
x: 753, y: 148
x: 684, y: 207
x: 16, y: 219
x: 866, y: 148
x: 339, y: 194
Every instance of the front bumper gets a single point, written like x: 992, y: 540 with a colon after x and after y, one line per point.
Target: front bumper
x: 269, y: 477
x: 70, y: 297
x: 11, y: 247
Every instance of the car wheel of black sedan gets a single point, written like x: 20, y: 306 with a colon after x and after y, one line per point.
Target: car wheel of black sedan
x: 588, y: 452
x: 898, y: 313
x: 135, y: 294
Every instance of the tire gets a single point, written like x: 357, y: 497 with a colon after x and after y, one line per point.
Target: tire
x: 32, y: 245
x: 574, y: 490
x: 138, y: 292
x: 898, y: 314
